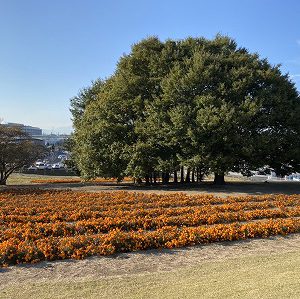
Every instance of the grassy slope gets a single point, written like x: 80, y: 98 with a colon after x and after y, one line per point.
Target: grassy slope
x: 260, y: 276
x: 21, y: 179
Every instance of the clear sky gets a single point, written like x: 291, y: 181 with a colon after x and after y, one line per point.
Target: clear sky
x: 51, y: 49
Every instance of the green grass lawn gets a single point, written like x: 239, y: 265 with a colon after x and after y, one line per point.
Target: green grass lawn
x: 25, y: 179
x: 260, y: 276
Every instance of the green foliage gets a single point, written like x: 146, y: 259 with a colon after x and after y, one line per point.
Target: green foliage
x: 199, y: 103
x: 84, y: 97
x: 17, y: 149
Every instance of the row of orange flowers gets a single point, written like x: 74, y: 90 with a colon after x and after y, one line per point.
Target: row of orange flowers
x: 15, y: 251
x: 46, y: 216
x: 36, y: 195
x: 34, y: 231
x: 34, y: 201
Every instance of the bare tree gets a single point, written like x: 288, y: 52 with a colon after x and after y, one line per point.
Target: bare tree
x: 17, y: 149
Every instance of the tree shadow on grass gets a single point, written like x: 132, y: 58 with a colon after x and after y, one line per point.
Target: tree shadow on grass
x: 230, y: 188
x: 246, y: 188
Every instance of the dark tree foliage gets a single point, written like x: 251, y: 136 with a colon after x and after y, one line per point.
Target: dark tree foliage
x: 17, y: 149
x: 195, y: 104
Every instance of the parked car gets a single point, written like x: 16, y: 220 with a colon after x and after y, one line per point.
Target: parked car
x: 56, y: 166
x: 32, y: 168
x: 40, y: 165
x: 62, y: 157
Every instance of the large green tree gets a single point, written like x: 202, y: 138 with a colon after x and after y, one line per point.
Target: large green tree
x: 203, y: 104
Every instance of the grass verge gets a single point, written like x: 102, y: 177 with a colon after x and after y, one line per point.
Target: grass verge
x: 259, y: 276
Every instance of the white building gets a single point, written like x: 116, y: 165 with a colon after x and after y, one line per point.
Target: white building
x: 32, y: 131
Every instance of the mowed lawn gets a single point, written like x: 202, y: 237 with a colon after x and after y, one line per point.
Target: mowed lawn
x: 258, y: 276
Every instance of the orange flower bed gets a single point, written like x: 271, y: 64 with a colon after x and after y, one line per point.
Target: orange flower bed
x: 40, y: 225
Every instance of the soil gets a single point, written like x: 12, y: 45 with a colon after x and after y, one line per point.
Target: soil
x: 144, y: 262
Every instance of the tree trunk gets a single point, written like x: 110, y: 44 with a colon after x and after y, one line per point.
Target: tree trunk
x: 147, y: 180
x: 197, y: 174
x: 3, y: 178
x: 193, y: 175
x: 154, y: 177
x: 187, y: 178
x: 219, y: 178
x: 175, y: 177
x: 200, y: 175
x: 182, y: 175
x: 163, y: 178
x: 167, y: 177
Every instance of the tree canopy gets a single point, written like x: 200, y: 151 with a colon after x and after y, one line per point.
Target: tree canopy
x: 206, y: 105
x: 17, y: 150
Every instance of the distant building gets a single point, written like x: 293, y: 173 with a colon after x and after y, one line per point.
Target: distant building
x: 32, y: 131
x: 53, y: 139
x: 37, y: 134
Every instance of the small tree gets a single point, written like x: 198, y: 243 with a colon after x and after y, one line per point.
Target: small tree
x: 17, y: 149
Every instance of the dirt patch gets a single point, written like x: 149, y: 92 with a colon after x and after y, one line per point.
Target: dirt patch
x: 144, y: 262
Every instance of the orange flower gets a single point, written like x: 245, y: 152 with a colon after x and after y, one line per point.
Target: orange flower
x: 41, y: 224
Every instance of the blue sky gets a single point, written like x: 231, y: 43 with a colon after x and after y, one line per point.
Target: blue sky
x: 51, y: 49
